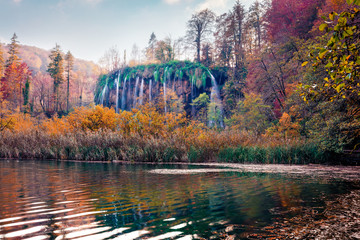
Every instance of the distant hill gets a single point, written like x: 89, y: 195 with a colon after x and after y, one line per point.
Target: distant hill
x: 84, y: 72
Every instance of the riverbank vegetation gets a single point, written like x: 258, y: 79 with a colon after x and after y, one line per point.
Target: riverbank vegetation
x: 279, y: 83
x: 144, y: 135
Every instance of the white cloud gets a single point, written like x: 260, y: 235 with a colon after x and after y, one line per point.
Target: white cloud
x: 17, y: 1
x: 215, y: 5
x: 66, y: 3
x: 171, y: 2
x: 92, y: 2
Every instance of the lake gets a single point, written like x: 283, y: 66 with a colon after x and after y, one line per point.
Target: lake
x: 67, y: 200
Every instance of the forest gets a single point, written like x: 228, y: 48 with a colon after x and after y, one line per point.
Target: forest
x: 275, y: 83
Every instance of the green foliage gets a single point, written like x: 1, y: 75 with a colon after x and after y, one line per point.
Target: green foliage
x: 201, y: 104
x: 26, y: 90
x: 341, y: 56
x: 295, y: 154
x: 250, y: 114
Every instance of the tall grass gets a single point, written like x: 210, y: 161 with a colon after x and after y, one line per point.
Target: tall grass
x: 109, y: 146
x: 145, y: 135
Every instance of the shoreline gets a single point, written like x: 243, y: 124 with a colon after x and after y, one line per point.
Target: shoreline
x: 350, y: 173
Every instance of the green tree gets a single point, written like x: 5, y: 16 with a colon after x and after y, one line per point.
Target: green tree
x: 331, y: 88
x: 26, y: 91
x: 250, y: 114
x: 341, y: 55
x: 69, y: 63
x: 201, y: 104
x: 56, y: 71
x: 164, y: 52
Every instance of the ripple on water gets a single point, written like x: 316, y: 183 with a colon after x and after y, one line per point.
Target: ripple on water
x: 126, y: 203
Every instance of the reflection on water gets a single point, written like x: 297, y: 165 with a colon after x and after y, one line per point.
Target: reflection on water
x: 64, y: 200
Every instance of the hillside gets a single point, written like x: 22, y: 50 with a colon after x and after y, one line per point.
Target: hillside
x: 84, y: 76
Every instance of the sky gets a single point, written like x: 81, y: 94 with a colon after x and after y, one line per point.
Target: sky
x: 88, y: 28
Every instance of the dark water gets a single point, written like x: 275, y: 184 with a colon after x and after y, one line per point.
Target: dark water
x: 66, y: 200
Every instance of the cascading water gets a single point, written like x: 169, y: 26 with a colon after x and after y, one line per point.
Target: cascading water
x: 141, y: 91
x: 103, y: 94
x: 150, y: 90
x: 164, y: 85
x: 123, y: 95
x: 215, y: 98
x: 136, y: 92
x: 117, y: 92
x: 192, y: 83
x: 130, y: 89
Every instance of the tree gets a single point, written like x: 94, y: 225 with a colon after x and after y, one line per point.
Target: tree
x: 250, y: 114
x: 68, y: 68
x: 223, y: 44
x: 135, y: 54
x: 201, y: 104
x: 291, y: 18
x: 111, y: 60
x: 56, y: 71
x: 236, y: 24
x: 150, y: 50
x: 207, y: 58
x: 13, y: 81
x: 13, y: 51
x: 255, y: 19
x: 164, y: 51
x: 341, y: 56
x: 199, y: 27
x: 2, y: 62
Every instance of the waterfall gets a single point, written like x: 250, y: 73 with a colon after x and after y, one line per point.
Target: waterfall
x: 135, y: 92
x: 150, y: 90
x: 165, y: 96
x: 103, y: 92
x: 141, y: 91
x: 173, y: 86
x: 123, y: 95
x: 117, y: 92
x: 215, y: 98
x: 165, y: 77
x: 192, y: 82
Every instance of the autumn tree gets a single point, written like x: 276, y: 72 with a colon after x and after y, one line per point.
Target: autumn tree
x: 291, y: 18
x: 69, y: 63
x: 207, y: 56
x: 224, y: 47
x: 199, y: 27
x: 56, y: 71
x: 2, y: 62
x: 236, y: 31
x: 164, y: 51
x: 15, y: 78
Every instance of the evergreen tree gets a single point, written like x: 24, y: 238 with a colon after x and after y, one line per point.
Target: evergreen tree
x: 26, y: 91
x: 68, y: 68
x: 13, y: 51
x: 56, y: 70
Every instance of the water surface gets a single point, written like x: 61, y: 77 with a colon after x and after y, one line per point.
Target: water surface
x: 68, y: 200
